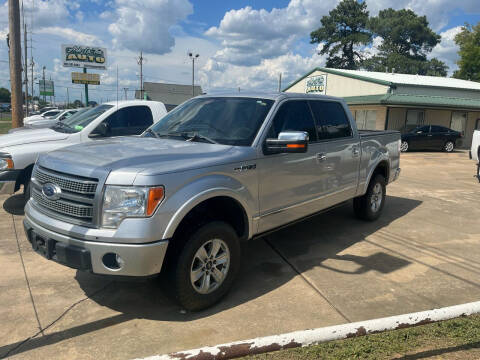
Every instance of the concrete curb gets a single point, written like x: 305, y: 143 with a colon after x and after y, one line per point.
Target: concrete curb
x: 320, y: 335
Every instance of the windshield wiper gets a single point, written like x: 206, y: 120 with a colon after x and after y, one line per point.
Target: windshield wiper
x: 150, y: 131
x: 197, y: 136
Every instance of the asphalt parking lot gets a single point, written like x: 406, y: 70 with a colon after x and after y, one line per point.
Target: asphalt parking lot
x: 422, y: 253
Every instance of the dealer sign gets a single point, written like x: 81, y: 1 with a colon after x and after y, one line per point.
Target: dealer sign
x: 316, y: 84
x: 84, y: 56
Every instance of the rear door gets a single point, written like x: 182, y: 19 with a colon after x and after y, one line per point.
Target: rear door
x: 438, y: 137
x: 338, y: 155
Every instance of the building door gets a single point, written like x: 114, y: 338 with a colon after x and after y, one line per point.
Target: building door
x: 477, y: 125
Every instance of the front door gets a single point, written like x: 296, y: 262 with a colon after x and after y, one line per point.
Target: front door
x: 420, y: 139
x: 288, y: 181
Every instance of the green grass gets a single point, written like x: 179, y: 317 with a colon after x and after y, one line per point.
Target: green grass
x: 4, y: 127
x: 446, y: 339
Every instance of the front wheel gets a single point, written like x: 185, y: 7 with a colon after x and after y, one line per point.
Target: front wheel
x: 207, y: 266
x: 369, y: 206
x: 404, y: 146
x: 449, y: 146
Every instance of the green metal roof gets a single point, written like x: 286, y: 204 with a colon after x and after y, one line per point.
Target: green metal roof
x: 416, y: 100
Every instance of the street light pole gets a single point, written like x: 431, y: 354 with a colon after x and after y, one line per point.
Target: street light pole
x: 193, y: 57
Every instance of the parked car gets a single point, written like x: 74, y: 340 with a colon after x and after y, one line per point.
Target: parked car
x: 47, y: 123
x: 430, y: 137
x: 213, y: 173
x: 49, y: 117
x: 19, y: 150
x: 46, y: 115
x: 475, y: 152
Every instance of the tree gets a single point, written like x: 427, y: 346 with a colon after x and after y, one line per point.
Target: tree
x: 4, y: 95
x: 341, y: 32
x: 469, y: 42
x: 406, y: 41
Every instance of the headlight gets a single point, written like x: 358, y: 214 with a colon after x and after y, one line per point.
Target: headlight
x: 6, y: 164
x: 120, y: 202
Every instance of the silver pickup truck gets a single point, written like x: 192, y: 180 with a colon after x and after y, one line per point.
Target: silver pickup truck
x: 210, y: 175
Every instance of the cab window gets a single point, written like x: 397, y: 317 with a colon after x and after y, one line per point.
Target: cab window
x: 294, y: 115
x: 332, y: 122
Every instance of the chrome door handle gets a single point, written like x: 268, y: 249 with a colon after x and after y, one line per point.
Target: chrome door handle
x: 321, y: 157
x: 356, y: 151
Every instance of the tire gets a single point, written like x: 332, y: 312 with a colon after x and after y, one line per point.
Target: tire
x: 404, y: 146
x: 191, y: 294
x: 449, y: 146
x: 369, y: 206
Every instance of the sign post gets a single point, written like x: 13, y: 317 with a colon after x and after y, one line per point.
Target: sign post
x: 86, y: 88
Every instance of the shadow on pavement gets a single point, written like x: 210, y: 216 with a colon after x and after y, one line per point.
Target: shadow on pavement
x: 263, y: 270
x: 15, y: 205
x: 322, y: 237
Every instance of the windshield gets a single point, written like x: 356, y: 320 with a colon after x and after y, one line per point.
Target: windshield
x: 81, y: 119
x: 224, y: 120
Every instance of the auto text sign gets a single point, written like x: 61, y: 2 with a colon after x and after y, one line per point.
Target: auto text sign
x: 316, y: 84
x: 84, y: 56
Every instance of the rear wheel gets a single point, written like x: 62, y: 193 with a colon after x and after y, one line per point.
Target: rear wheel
x: 369, y: 206
x: 207, y: 266
x: 449, y: 146
x: 404, y: 146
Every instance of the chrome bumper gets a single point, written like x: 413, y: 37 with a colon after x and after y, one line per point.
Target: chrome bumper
x: 139, y: 260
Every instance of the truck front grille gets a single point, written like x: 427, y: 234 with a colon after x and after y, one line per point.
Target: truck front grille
x: 63, y: 207
x: 66, y: 182
x: 76, y: 202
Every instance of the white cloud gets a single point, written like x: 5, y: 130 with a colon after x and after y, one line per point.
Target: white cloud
x: 216, y: 75
x: 447, y: 50
x: 145, y: 24
x: 248, y: 35
x: 73, y: 36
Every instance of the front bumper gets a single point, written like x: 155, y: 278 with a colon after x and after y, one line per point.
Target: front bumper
x: 139, y: 260
x: 8, y: 181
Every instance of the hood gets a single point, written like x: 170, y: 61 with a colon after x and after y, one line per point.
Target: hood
x: 30, y: 136
x: 140, y: 155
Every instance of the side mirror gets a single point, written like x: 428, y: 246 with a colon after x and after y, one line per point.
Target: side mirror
x: 288, y: 142
x: 100, y: 131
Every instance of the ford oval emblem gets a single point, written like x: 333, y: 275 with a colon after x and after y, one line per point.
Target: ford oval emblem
x: 51, y: 191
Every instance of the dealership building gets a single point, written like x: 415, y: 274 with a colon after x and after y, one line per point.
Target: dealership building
x: 399, y: 101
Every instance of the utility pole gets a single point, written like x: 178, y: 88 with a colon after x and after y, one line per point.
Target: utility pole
x: 25, y: 69
x: 125, y: 89
x: 193, y: 57
x: 140, y: 61
x: 68, y: 98
x: 15, y: 63
x: 44, y: 96
x: 280, y: 82
x: 31, y: 74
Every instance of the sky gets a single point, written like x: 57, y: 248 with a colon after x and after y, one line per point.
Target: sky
x: 241, y: 44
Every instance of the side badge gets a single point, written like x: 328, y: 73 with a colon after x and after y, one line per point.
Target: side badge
x: 245, y: 168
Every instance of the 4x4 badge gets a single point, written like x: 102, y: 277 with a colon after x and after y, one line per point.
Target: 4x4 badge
x: 245, y: 167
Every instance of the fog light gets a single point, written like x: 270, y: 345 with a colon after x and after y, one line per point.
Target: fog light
x: 113, y: 261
